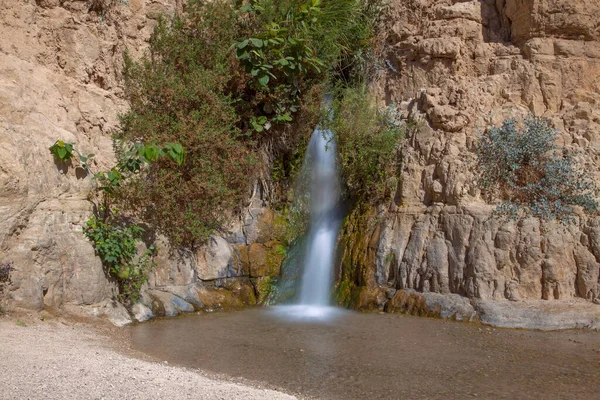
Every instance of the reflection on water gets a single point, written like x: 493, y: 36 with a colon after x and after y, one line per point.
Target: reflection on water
x: 306, y: 313
x: 342, y: 354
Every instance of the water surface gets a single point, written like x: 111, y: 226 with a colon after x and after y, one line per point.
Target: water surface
x: 350, y: 355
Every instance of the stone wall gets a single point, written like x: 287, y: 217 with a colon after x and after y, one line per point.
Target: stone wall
x: 458, y: 67
x: 60, y: 68
x: 59, y: 79
x: 453, y: 66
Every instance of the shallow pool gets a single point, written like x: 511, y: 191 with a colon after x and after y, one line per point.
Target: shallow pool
x: 347, y: 355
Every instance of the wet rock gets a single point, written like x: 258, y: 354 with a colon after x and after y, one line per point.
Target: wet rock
x: 264, y: 289
x: 371, y: 299
x: 141, y: 312
x: 172, y: 304
x: 431, y: 305
x: 265, y: 259
x: 242, y: 289
x: 187, y: 293
x: 257, y: 259
x: 408, y: 301
x: 232, y: 294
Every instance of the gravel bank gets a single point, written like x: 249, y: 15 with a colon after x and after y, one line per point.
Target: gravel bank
x: 70, y: 360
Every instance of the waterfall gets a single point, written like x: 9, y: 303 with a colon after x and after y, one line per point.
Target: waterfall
x: 324, y: 192
x: 319, y: 192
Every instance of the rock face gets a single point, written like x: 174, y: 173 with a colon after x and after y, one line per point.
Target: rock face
x: 454, y: 68
x: 59, y: 79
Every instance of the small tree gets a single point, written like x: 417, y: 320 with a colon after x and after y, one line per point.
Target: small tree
x: 533, y: 176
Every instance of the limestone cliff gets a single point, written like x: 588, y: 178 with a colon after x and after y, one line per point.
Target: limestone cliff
x: 457, y: 67
x: 59, y: 79
x: 452, y: 66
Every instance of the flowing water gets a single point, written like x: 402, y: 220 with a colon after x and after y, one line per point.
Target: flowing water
x: 324, y: 187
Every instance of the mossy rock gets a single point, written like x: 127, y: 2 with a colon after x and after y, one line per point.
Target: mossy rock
x: 265, y: 288
x: 412, y: 303
x: 265, y: 259
x: 370, y: 299
x: 233, y: 294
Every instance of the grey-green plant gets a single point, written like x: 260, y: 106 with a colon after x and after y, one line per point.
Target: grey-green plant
x: 521, y: 164
x: 6, y: 269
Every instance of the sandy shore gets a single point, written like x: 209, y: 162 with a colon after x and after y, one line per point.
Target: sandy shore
x: 65, y: 359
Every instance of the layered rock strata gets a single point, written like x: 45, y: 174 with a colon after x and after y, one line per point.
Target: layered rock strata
x: 454, y: 68
x: 451, y: 67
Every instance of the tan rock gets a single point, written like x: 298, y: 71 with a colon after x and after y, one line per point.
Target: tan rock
x: 58, y: 80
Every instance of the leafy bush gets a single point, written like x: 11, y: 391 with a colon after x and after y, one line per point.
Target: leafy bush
x: 116, y: 239
x: 302, y: 43
x: 534, y: 177
x: 117, y: 246
x: 62, y: 152
x: 225, y: 80
x: 367, y: 144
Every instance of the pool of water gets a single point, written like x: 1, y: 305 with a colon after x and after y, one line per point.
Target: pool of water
x: 339, y: 354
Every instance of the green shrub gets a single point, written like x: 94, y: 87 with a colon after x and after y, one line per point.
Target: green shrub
x: 226, y: 80
x: 367, y: 143
x: 116, y: 239
x: 117, y: 245
x: 62, y: 152
x: 302, y: 43
x: 534, y: 177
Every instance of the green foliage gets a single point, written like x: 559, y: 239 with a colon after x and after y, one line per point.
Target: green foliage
x: 114, y: 239
x: 182, y: 92
x: 297, y: 44
x: 534, y: 177
x: 131, y: 164
x: 367, y: 143
x: 62, y: 152
x: 224, y: 79
x: 117, y: 246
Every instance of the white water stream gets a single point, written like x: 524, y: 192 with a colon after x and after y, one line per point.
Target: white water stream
x: 323, y: 185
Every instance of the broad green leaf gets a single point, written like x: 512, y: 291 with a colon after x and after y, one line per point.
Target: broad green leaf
x: 257, y: 42
x: 264, y: 80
